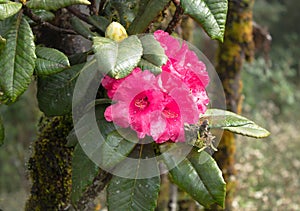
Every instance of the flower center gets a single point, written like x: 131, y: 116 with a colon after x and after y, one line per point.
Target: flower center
x: 169, y: 114
x: 141, y: 103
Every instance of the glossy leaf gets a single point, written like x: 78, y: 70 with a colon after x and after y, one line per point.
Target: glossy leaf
x: 115, y: 149
x: 153, y: 54
x: 1, y: 132
x: 84, y: 171
x: 135, y: 192
x: 17, y: 58
x: 145, y: 65
x: 188, y: 176
x: 55, y: 91
x: 50, y: 61
x: 211, y: 14
x: 54, y: 4
x: 44, y: 14
x: 132, y: 194
x: 9, y: 8
x: 99, y: 22
x: 146, y: 14
x: 117, y: 59
x: 81, y: 28
x: 220, y: 118
x: 251, y: 130
x: 235, y: 123
x: 210, y: 175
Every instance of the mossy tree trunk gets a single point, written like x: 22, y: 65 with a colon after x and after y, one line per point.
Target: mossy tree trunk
x: 50, y: 166
x: 237, y: 47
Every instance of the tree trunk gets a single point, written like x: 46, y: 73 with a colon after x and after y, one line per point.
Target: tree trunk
x: 238, y: 46
x: 50, y: 166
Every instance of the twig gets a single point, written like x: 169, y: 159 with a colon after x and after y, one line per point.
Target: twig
x: 176, y: 17
x: 102, y: 6
x: 39, y: 21
x: 93, y: 7
x: 99, y: 183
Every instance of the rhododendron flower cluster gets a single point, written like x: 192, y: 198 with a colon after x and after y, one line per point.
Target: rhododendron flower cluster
x: 159, y: 105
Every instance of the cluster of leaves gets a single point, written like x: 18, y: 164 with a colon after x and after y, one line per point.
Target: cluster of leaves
x: 20, y: 59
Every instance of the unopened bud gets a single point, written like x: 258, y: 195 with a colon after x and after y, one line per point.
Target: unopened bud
x: 116, y: 32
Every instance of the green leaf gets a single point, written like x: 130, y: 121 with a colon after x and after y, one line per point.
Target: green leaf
x: 9, y: 8
x: 54, y: 4
x: 126, y: 10
x: 116, y: 148
x: 17, y: 59
x: 189, y: 177
x: 211, y: 14
x: 55, y: 92
x: 210, y: 175
x: 99, y: 22
x: 251, y: 130
x: 117, y: 59
x: 153, y: 54
x: 146, y: 14
x: 1, y: 132
x: 81, y: 28
x: 50, y: 61
x: 44, y: 15
x: 220, y: 118
x: 132, y: 194
x: 84, y: 171
x: 135, y: 190
x: 235, y: 123
x: 145, y: 65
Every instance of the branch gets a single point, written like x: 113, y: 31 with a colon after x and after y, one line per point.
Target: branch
x: 28, y: 12
x: 78, y: 14
x: 92, y: 192
x: 93, y: 8
x: 176, y: 17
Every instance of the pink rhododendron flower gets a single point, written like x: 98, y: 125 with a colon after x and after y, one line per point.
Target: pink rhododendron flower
x: 158, y: 106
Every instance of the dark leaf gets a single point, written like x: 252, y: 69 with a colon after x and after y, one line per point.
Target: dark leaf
x: 55, y: 92
x: 17, y: 58
x: 211, y: 14
x: 50, y: 61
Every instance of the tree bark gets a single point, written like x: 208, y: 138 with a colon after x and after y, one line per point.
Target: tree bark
x: 238, y: 46
x: 50, y: 166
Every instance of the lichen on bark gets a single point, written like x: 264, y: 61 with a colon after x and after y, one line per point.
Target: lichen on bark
x: 50, y: 166
x: 237, y: 48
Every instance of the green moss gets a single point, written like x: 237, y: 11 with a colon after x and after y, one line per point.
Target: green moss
x: 50, y: 166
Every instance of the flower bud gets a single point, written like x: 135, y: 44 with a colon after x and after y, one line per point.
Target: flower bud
x: 116, y: 32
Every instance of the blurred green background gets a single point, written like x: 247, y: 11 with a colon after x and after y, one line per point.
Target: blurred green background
x: 268, y: 169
